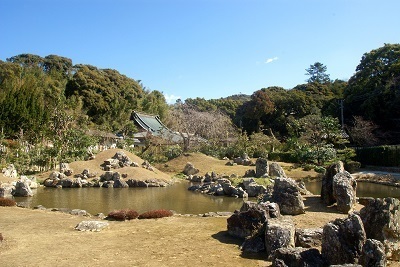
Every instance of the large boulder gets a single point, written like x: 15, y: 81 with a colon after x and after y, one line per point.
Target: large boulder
x: 381, y: 218
x: 309, y: 238
x: 10, y: 171
x: 343, y: 239
x: 6, y: 190
x: 373, y: 254
x: 123, y: 159
x: 287, y: 194
x: 22, y: 189
x: 120, y: 183
x: 252, y: 188
x: 275, y: 170
x: 190, y: 169
x: 244, y: 223
x: 327, y: 182
x: 279, y: 233
x: 298, y: 257
x: 261, y: 167
x: 344, y: 191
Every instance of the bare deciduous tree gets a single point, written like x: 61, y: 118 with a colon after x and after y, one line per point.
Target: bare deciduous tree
x: 194, y: 125
x: 362, y: 132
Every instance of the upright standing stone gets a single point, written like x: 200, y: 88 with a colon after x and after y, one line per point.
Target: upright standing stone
x: 327, y: 182
x: 343, y: 239
x: 344, y: 191
x: 261, y: 167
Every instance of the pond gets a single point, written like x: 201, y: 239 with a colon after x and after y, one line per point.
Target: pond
x: 104, y: 200
x: 175, y: 197
x: 364, y: 189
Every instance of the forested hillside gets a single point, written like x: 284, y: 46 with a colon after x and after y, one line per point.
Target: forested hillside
x: 49, y: 100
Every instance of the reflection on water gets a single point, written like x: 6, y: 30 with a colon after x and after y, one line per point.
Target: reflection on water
x: 96, y: 200
x: 363, y: 190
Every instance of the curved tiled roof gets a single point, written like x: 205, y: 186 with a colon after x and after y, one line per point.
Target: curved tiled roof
x: 153, y: 124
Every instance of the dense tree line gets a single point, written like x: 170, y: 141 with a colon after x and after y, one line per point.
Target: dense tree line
x: 49, y: 99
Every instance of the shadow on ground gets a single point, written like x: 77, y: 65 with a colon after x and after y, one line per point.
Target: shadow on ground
x: 225, y: 238
x: 315, y: 204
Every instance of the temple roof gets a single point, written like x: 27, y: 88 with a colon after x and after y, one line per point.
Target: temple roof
x: 153, y: 125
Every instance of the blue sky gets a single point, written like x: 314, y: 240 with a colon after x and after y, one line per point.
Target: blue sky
x: 203, y: 48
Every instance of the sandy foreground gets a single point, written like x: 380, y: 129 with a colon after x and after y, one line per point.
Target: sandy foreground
x: 45, y: 238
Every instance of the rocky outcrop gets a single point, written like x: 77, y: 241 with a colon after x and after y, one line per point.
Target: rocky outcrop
x: 22, y: 189
x: 66, y: 169
x: 6, y: 190
x: 373, y: 254
x: 309, y: 238
x: 275, y: 170
x: 287, y: 194
x: 344, y: 191
x: 279, y: 233
x: 220, y: 188
x: 381, y: 218
x: 93, y: 226
x: 243, y: 160
x: 244, y: 224
x: 297, y: 257
x: 262, y: 169
x: 252, y: 188
x: 343, y: 240
x: 10, y: 171
x: 190, y: 169
x: 327, y: 183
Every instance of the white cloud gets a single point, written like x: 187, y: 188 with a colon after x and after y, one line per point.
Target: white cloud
x: 269, y: 60
x: 171, y: 99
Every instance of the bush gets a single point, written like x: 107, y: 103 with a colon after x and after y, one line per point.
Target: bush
x: 7, y: 202
x: 352, y: 166
x: 320, y: 169
x: 122, y: 215
x: 153, y: 214
x: 308, y: 167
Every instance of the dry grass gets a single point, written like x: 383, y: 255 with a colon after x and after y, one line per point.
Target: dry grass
x: 208, y: 164
x: 94, y: 166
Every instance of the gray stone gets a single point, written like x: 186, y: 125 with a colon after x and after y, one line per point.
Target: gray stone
x: 343, y: 239
x: 244, y: 224
x: 381, y: 218
x: 275, y: 170
x: 309, y: 238
x: 344, y: 191
x: 298, y: 257
x: 261, y: 167
x: 327, y: 183
x: 94, y: 226
x: 255, y: 189
x: 190, y: 169
x: 22, y: 189
x: 373, y: 254
x: 119, y: 183
x: 287, y: 194
x: 279, y: 233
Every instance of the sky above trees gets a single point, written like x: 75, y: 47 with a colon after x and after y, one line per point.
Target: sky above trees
x: 203, y: 48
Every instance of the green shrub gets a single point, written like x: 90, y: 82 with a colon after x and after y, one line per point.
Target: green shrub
x: 7, y: 202
x: 154, y: 214
x: 308, y: 167
x: 352, y: 166
x: 122, y: 215
x: 320, y: 169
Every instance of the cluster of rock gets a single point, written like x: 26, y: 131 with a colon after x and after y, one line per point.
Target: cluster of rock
x: 338, y: 186
x: 366, y: 239
x: 219, y: 188
x: 214, y: 184
x: 19, y: 188
x: 10, y: 171
x: 109, y: 179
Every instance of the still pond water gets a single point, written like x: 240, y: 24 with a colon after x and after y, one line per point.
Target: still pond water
x: 175, y: 197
